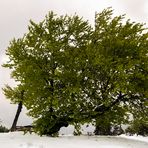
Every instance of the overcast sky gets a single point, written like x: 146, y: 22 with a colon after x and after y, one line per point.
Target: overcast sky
x: 15, y: 16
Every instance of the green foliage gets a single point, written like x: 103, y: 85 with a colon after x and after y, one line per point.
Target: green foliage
x: 14, y: 94
x: 139, y: 127
x: 139, y: 124
x: 3, y: 129
x: 73, y: 74
x: 110, y: 123
x: 77, y: 129
x: 49, y: 124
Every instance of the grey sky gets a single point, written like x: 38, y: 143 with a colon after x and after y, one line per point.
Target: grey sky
x: 15, y: 16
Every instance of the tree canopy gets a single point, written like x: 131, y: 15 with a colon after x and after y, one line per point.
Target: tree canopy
x: 72, y: 72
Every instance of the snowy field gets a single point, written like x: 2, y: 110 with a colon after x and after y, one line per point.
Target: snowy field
x: 18, y: 140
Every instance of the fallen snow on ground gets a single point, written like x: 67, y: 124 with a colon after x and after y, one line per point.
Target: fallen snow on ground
x: 18, y: 140
x: 135, y: 137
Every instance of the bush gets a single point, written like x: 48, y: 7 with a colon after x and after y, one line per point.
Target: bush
x: 109, y: 129
x: 117, y: 130
x: 103, y: 129
x: 3, y: 129
x: 138, y: 127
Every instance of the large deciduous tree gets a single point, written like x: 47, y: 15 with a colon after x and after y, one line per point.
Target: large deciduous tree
x: 46, y: 62
x: 120, y: 77
x: 73, y: 73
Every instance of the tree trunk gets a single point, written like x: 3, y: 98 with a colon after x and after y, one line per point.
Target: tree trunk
x: 19, y: 109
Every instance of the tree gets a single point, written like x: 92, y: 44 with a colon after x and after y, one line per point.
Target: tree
x: 17, y: 97
x: 44, y: 62
x: 120, y: 76
x: 73, y: 74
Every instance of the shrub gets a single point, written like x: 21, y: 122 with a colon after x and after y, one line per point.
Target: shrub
x: 138, y: 127
x: 117, y: 130
x: 3, y: 129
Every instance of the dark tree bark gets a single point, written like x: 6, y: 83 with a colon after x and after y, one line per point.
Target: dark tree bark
x: 19, y: 109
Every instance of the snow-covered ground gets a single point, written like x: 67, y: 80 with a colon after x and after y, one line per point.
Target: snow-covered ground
x: 135, y: 137
x: 18, y: 140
